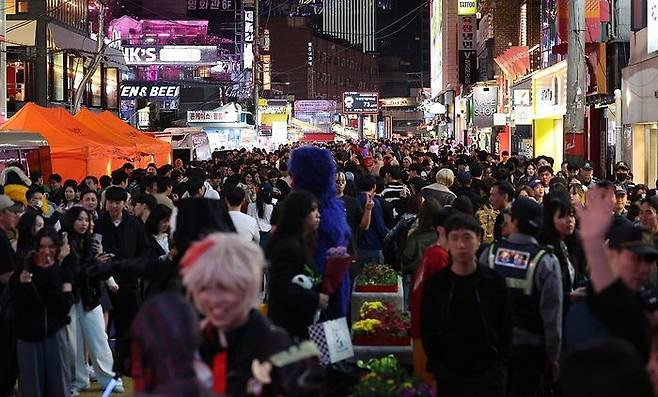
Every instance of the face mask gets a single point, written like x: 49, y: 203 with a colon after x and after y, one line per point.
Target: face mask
x: 621, y: 177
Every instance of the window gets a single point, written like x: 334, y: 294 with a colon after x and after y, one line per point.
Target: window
x: 111, y: 87
x: 16, y: 7
x: 56, y: 86
x: 95, y: 89
x: 74, y: 75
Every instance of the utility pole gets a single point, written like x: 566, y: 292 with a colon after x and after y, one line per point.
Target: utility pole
x: 255, y: 69
x: 576, y: 68
x: 98, y: 57
x: 3, y: 62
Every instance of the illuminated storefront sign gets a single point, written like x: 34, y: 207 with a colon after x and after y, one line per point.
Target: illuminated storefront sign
x: 170, y: 54
x: 467, y: 7
x: 130, y: 91
x: 361, y: 103
x: 485, y: 105
x: 211, y: 116
x: 436, y: 46
x: 248, y: 49
x: 267, y: 72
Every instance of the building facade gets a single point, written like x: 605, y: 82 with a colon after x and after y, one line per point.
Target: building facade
x: 351, y: 20
x: 307, y: 65
x: 49, y: 46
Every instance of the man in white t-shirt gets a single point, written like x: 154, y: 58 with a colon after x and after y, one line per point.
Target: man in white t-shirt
x: 245, y: 225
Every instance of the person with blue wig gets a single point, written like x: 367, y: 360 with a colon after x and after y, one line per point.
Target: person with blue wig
x: 313, y: 169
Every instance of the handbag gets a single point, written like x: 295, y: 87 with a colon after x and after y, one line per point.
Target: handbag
x: 333, y: 339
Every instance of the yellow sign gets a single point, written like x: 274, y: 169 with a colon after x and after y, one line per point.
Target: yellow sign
x: 467, y: 7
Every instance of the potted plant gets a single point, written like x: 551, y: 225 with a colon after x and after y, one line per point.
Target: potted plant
x: 377, y: 278
x: 381, y: 324
x: 387, y: 378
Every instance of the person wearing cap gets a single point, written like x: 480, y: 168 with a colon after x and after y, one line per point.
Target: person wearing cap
x: 621, y: 201
x: 585, y: 176
x: 9, y: 262
x: 533, y: 276
x: 620, y: 260
x: 539, y: 190
x: 464, y: 188
x: 622, y: 176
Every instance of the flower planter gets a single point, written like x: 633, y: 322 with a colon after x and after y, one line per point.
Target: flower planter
x: 376, y: 340
x: 392, y: 288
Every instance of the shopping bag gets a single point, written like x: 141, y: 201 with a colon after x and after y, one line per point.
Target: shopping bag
x: 333, y: 340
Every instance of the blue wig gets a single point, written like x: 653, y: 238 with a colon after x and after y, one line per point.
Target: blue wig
x: 313, y: 169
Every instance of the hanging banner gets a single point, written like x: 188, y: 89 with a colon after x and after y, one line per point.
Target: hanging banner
x: 652, y: 26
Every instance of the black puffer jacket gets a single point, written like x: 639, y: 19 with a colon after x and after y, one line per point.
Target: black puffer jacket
x: 87, y: 273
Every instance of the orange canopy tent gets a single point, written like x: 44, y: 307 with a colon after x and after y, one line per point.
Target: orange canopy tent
x: 160, y: 150
x: 74, y: 152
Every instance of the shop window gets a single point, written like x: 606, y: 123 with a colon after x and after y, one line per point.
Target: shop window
x: 17, y: 81
x: 95, y: 89
x: 75, y: 73
x: 16, y: 7
x: 204, y: 72
x: 56, y: 85
x: 111, y: 87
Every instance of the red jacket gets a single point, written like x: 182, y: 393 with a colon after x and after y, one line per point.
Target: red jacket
x: 434, y: 260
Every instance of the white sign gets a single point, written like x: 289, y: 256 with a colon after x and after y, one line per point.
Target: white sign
x: 521, y: 97
x: 500, y: 119
x: 398, y: 102
x: 522, y: 115
x: 211, y: 116
x: 170, y: 54
x: 248, y: 53
x: 652, y: 26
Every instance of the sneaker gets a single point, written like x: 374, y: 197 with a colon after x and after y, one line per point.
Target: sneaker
x: 118, y: 388
x: 92, y: 373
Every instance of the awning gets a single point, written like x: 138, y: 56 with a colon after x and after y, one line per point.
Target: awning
x: 65, y: 39
x: 21, y: 33
x: 22, y: 140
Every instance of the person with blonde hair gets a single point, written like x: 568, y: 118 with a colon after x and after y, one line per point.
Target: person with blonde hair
x: 440, y: 191
x: 222, y: 274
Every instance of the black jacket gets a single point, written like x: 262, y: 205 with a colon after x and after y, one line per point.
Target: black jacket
x: 87, y: 273
x: 41, y: 308
x: 437, y: 309
x: 127, y: 242
x: 291, y: 306
x: 257, y: 339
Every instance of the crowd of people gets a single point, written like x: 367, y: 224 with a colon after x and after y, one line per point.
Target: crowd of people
x: 522, y: 277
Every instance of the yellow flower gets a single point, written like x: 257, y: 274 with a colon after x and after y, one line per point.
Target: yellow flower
x: 366, y: 326
x: 371, y: 306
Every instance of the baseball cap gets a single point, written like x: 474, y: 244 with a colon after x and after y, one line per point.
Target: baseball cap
x: 620, y: 191
x: 630, y: 237
x: 533, y: 183
x: 8, y: 204
x: 587, y: 166
x: 527, y: 210
x: 622, y: 164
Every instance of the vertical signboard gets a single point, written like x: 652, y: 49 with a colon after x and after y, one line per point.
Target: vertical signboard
x: 436, y: 46
x: 309, y: 70
x: 467, y: 50
x: 248, y: 49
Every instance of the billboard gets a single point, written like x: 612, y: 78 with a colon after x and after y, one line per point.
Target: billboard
x: 314, y: 106
x: 652, y: 26
x: 485, y: 105
x: 170, y: 55
x: 361, y: 103
x: 436, y: 46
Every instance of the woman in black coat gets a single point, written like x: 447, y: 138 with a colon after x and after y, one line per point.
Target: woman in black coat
x: 289, y: 252
x: 40, y: 300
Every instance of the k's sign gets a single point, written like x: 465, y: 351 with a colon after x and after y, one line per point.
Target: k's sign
x: 170, y: 55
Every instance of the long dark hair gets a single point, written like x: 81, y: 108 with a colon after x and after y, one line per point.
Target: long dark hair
x: 159, y: 213
x: 72, y: 184
x: 77, y: 241
x: 26, y: 237
x: 264, y: 196
x: 554, y: 204
x: 48, y: 232
x: 294, y: 211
